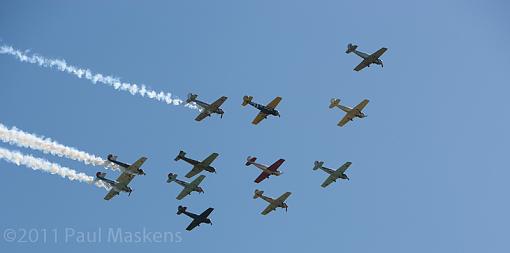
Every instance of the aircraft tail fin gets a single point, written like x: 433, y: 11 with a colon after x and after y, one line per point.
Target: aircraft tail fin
x: 191, y: 98
x: 351, y: 48
x: 100, y: 174
x: 250, y: 160
x: 112, y: 157
x: 181, y: 209
x: 180, y: 155
x: 258, y: 194
x: 246, y: 100
x: 334, y: 103
x: 318, y: 165
x: 171, y: 177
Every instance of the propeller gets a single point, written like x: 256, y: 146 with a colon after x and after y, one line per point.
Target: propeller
x: 221, y: 116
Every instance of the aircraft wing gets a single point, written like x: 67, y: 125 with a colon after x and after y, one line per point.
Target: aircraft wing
x: 344, y: 167
x: 361, y: 105
x: 329, y: 180
x: 268, y: 209
x: 204, y: 114
x: 259, y: 118
x: 378, y: 53
x: 362, y: 65
x: 192, y: 225
x: 348, y: 116
x: 273, y: 167
x: 187, y: 190
x: 112, y: 193
x: 206, y: 213
x: 207, y: 161
x: 216, y: 104
x: 274, y: 103
x: 194, y: 171
x: 135, y: 166
x: 275, y: 203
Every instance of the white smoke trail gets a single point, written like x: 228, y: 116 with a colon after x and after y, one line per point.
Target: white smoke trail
x: 114, y: 82
x: 52, y: 168
x: 26, y: 140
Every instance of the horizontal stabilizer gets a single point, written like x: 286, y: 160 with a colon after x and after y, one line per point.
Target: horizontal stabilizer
x: 250, y: 160
x: 246, y: 100
x: 181, y: 209
x: 258, y: 193
x: 171, y: 177
x: 180, y: 155
x: 318, y: 165
x: 191, y: 98
x: 351, y: 48
x: 334, y: 102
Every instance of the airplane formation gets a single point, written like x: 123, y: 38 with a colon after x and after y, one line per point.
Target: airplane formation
x: 129, y: 171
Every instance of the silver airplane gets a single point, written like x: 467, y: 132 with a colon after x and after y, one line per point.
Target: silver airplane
x: 351, y: 113
x: 207, y: 109
x: 367, y: 58
x: 119, y: 185
x: 333, y: 174
x: 273, y: 203
x: 188, y: 187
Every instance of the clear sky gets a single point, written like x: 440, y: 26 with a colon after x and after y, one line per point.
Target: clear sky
x: 430, y: 168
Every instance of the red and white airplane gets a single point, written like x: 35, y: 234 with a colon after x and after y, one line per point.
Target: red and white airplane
x: 266, y: 170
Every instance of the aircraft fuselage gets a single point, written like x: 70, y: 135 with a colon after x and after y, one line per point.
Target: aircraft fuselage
x: 205, y: 106
x: 264, y: 109
x: 367, y: 57
x: 265, y: 169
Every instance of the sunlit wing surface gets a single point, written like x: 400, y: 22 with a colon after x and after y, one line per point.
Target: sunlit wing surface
x: 348, y: 116
x: 273, y: 167
x: 361, y: 105
x: 124, y: 179
x: 111, y: 194
x: 135, y: 166
x: 204, y: 114
x: 268, y: 209
x: 344, y: 167
x: 329, y: 180
x: 198, y: 168
x: 217, y: 103
x: 187, y: 190
x: 378, y: 53
x: 259, y: 118
x: 275, y: 203
x: 274, y: 103
x: 207, y: 161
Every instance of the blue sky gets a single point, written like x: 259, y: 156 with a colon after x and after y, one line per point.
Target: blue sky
x: 429, y: 166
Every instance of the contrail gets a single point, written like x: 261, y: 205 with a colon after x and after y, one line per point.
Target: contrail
x: 27, y: 140
x: 52, y: 168
x: 114, y: 82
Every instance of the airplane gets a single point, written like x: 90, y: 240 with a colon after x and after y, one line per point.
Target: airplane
x: 119, y: 185
x: 198, y: 166
x: 197, y: 219
x: 188, y: 187
x: 350, y: 112
x: 266, y: 110
x: 273, y: 203
x: 207, y: 109
x: 367, y: 59
x: 133, y: 169
x: 333, y: 174
x: 266, y: 170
